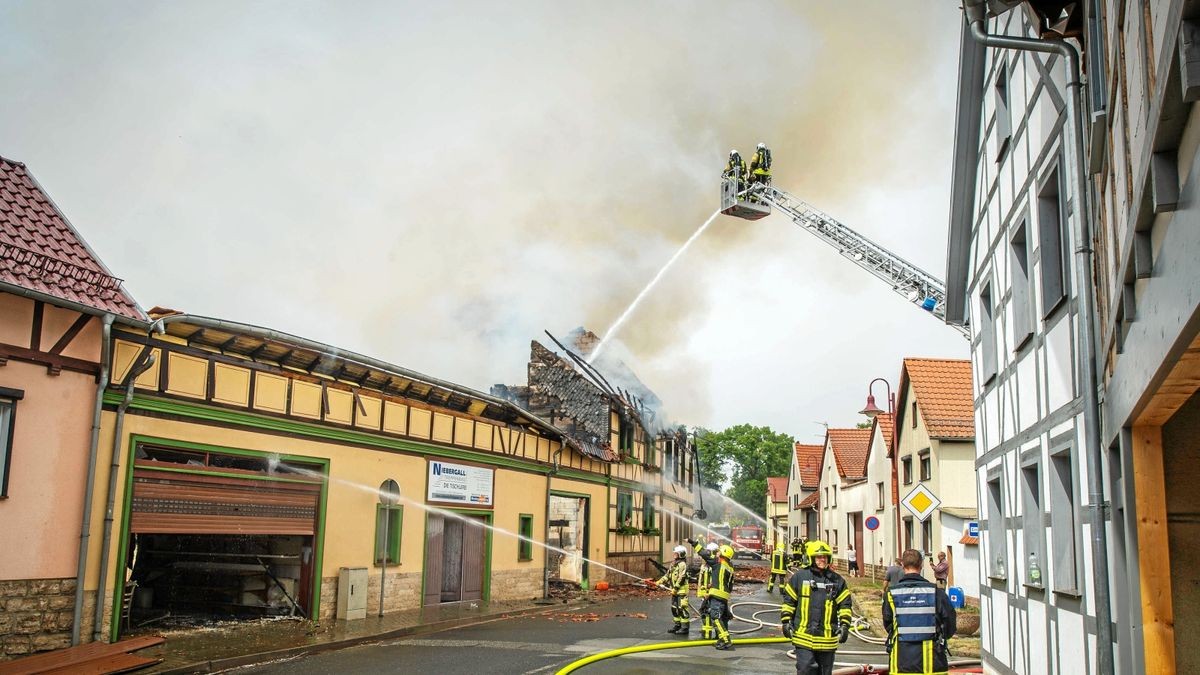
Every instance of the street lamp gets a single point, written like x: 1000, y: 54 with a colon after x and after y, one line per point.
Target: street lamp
x: 872, y: 411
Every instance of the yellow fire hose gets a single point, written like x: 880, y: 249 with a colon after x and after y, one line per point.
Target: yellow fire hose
x: 576, y: 665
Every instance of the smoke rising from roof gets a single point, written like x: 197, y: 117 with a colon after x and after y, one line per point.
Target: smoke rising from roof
x: 435, y: 183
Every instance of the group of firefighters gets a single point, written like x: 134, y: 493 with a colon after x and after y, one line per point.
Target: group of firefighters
x: 744, y: 176
x: 816, y: 610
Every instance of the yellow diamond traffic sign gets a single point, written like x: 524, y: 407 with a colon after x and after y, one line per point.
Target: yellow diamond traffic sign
x: 921, y: 502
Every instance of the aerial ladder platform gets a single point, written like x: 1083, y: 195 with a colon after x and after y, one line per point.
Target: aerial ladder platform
x: 906, y: 279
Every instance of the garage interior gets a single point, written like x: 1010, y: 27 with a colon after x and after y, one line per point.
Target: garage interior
x: 216, y: 536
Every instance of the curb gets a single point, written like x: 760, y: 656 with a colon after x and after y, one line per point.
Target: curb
x: 292, y: 652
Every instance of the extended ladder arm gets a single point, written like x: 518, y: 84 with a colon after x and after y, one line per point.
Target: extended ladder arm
x: 906, y: 279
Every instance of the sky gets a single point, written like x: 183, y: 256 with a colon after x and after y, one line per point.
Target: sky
x: 436, y: 184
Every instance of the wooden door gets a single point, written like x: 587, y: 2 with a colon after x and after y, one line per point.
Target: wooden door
x: 434, y: 536
x: 856, y: 521
x: 452, y: 561
x: 473, y: 554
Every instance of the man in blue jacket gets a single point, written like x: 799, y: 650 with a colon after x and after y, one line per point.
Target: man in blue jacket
x: 919, y: 619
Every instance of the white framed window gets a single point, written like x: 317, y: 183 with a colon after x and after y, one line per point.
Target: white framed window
x: 1064, y: 522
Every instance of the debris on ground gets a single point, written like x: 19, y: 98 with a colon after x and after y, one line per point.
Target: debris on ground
x: 590, y: 617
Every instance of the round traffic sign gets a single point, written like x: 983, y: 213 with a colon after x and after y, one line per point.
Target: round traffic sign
x: 872, y: 523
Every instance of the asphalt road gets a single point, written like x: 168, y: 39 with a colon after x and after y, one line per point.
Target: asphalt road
x: 545, y: 643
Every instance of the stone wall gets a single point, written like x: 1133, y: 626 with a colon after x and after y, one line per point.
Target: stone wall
x: 519, y: 584
x: 35, y: 615
x: 403, y: 592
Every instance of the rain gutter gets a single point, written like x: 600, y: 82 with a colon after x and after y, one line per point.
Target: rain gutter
x: 85, y: 528
x: 159, y: 326
x: 1081, y: 232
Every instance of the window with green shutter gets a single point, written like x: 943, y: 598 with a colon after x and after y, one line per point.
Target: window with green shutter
x: 387, y: 533
x: 525, y: 544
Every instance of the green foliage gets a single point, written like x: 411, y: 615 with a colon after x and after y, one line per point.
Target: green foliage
x: 746, y: 456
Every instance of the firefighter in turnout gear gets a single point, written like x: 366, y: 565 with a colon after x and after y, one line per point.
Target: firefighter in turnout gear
x: 779, y: 573
x: 676, y: 581
x: 798, y: 556
x: 735, y: 168
x: 760, y: 165
x: 720, y: 587
x: 919, y: 619
x: 816, y: 611
x: 702, y: 583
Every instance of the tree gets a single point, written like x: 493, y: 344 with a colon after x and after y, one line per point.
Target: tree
x: 745, y: 456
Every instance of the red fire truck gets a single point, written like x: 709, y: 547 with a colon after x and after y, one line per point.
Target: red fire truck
x: 747, y: 540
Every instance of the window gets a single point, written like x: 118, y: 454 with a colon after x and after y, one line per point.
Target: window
x: 1018, y: 263
x: 626, y: 432
x: 652, y: 453
x: 906, y: 465
x: 834, y: 504
x: 926, y: 465
x: 1031, y: 505
x: 997, y: 565
x: 624, y: 509
x: 908, y: 532
x: 648, y: 515
x: 987, y: 334
x: 834, y: 543
x: 525, y: 543
x: 913, y: 416
x: 927, y: 536
x: 826, y: 500
x: 1063, y: 524
x: 1003, y: 128
x: 8, y: 415
x: 1051, y: 250
x: 389, y: 521
x: 880, y: 499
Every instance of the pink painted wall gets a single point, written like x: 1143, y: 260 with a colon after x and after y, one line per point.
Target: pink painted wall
x: 39, y: 520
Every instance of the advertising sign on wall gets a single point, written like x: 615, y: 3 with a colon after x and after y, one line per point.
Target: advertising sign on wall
x: 461, y: 484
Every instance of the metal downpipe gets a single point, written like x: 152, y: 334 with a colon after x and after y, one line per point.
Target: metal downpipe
x: 1087, y: 331
x: 143, y: 362
x: 85, y: 528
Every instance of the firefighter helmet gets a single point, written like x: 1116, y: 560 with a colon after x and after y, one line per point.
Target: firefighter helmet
x: 712, y: 546
x: 680, y: 550
x: 726, y: 551
x: 733, y: 153
x: 817, y: 547
x: 762, y: 146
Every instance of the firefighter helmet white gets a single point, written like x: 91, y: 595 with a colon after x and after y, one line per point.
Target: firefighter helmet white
x: 681, y: 550
x: 712, y: 546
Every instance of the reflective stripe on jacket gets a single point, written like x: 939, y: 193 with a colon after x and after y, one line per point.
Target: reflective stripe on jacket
x: 702, y: 582
x: 778, y: 560
x: 815, y: 603
x: 676, y: 578
x: 917, y: 617
x: 720, y: 574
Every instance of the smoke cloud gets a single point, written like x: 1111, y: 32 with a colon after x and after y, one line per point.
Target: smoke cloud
x: 436, y: 183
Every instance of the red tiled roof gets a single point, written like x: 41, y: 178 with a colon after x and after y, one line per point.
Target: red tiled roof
x: 808, y: 459
x: 886, y: 424
x: 945, y: 397
x: 969, y: 540
x: 850, y: 450
x: 777, y: 488
x: 810, y: 501
x: 40, y: 251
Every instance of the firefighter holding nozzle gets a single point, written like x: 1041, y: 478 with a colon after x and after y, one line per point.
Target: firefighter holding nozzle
x: 675, y: 580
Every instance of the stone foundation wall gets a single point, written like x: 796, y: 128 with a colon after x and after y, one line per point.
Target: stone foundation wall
x: 519, y: 584
x: 403, y: 592
x: 631, y: 563
x: 35, y: 616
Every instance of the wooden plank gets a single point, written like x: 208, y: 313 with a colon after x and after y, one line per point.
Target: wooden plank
x: 62, y: 658
x: 1154, y: 566
x: 1181, y: 383
x: 117, y: 663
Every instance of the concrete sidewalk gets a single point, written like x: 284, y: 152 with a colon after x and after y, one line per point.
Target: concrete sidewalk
x: 231, y: 644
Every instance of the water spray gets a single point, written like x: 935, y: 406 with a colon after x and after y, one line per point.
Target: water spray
x: 473, y: 522
x: 649, y: 287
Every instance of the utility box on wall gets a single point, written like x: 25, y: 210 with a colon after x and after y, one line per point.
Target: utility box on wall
x: 352, y: 593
